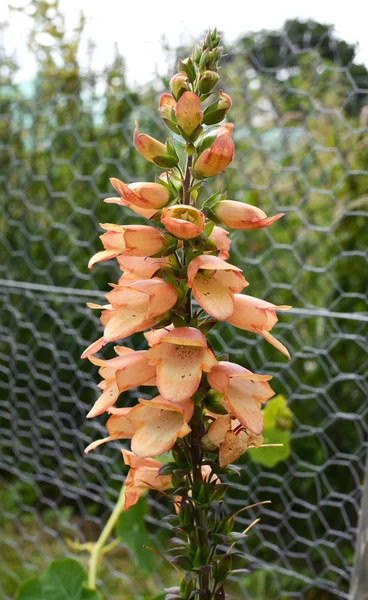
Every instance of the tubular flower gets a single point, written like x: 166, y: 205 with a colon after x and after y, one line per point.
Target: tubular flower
x: 135, y: 306
x: 152, y: 425
x: 189, y: 113
x: 145, y: 195
x: 229, y: 436
x: 259, y: 316
x: 183, y: 221
x: 134, y: 240
x: 219, y: 155
x: 124, y: 372
x: 244, y: 392
x: 148, y: 147
x: 143, y: 475
x: 180, y: 357
x: 214, y: 282
x: 220, y: 237
x: 238, y: 215
x: 147, y: 213
x: 135, y: 268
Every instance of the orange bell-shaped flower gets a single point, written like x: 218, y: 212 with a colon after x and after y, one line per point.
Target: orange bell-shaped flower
x: 219, y: 155
x: 259, y: 316
x: 142, y: 194
x: 238, y: 215
x: 180, y: 358
x: 244, y: 392
x: 133, y: 240
x: 143, y: 475
x: 183, y: 221
x: 214, y: 283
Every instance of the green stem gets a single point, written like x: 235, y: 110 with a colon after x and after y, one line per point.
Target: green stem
x: 99, y: 548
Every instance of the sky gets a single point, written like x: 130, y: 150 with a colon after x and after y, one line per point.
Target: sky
x: 139, y: 26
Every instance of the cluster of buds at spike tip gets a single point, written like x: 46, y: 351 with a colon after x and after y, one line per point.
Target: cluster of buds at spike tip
x: 203, y: 407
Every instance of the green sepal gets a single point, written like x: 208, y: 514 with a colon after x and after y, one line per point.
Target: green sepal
x: 167, y: 469
x: 226, y: 526
x: 212, y: 402
x: 201, y: 556
x: 171, y: 149
x: 213, y: 200
x: 179, y: 321
x: 213, y: 115
x: 208, y: 228
x: 182, y: 562
x: 166, y: 162
x: 222, y: 568
x: 204, y: 58
x: 187, y: 65
x: 171, y: 125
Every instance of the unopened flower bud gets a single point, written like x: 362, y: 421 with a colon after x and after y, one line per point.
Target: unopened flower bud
x: 197, y: 53
x: 187, y: 65
x: 219, y: 155
x: 179, y: 84
x: 208, y: 81
x: 166, y: 106
x: 217, y: 111
x: 153, y: 150
x: 188, y: 112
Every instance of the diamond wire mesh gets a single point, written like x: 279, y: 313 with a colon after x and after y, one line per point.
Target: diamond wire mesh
x: 301, y: 148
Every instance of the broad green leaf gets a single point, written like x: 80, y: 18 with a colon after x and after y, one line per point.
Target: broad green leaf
x: 132, y: 530
x: 31, y: 590
x: 277, y: 414
x: 64, y: 580
x: 269, y: 457
x: 277, y: 425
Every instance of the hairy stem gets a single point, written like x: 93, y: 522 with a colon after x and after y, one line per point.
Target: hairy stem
x: 99, y: 548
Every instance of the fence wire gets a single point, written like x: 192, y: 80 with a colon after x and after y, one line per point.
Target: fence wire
x: 300, y: 111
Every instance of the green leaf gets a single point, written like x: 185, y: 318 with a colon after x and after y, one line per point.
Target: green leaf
x: 277, y: 414
x: 64, y: 580
x: 270, y: 457
x: 131, y: 529
x: 31, y: 590
x: 277, y: 425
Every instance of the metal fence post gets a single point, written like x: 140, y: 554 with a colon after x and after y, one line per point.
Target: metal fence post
x: 359, y: 580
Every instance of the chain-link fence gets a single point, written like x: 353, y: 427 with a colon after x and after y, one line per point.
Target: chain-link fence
x: 300, y: 109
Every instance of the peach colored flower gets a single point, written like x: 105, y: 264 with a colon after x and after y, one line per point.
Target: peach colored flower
x: 135, y: 240
x: 143, y: 194
x: 152, y: 425
x: 155, y: 336
x: 143, y: 475
x: 178, y: 84
x: 244, y: 392
x: 147, y: 146
x: 147, y: 213
x: 185, y: 222
x: 124, y: 372
x: 228, y: 435
x: 238, y: 215
x: 219, y: 155
x: 259, y: 316
x: 135, y: 306
x: 166, y: 105
x: 220, y: 237
x: 135, y: 268
x: 214, y: 282
x: 180, y: 358
x: 189, y: 113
